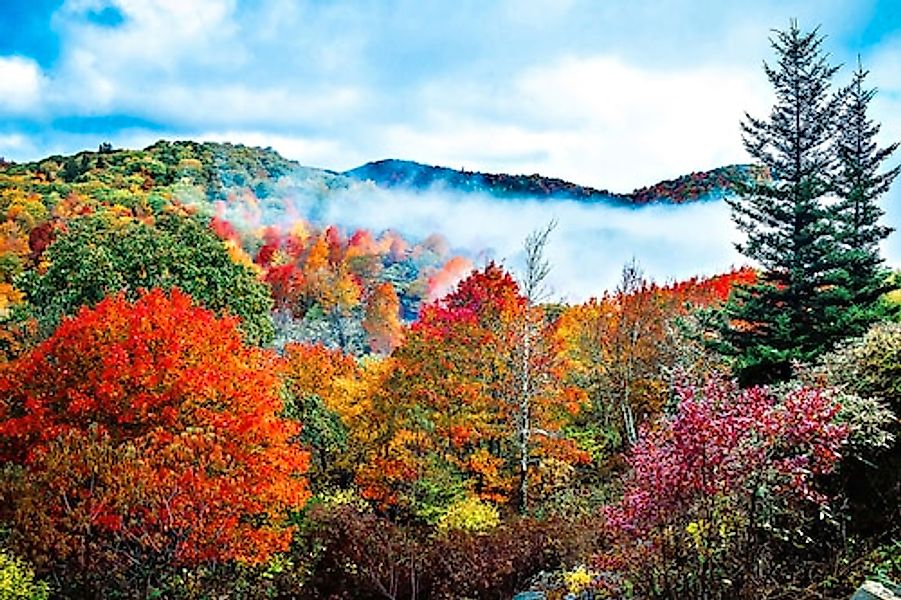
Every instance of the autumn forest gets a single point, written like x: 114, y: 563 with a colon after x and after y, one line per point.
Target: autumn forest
x: 206, y: 395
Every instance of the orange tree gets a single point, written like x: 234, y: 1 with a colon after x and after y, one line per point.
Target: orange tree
x: 627, y: 348
x: 449, y: 403
x: 146, y: 435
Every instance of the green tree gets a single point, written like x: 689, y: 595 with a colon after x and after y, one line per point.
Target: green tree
x: 103, y: 253
x: 791, y: 313
x: 859, y: 185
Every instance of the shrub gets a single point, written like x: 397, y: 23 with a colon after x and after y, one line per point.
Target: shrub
x: 469, y: 514
x: 17, y: 580
x: 718, y: 489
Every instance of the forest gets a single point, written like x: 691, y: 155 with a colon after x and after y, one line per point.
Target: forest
x: 198, y: 401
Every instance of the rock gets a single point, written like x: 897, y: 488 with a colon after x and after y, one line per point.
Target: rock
x: 530, y: 596
x: 874, y: 590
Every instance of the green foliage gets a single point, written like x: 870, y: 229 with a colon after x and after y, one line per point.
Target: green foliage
x: 17, y: 580
x: 821, y: 273
x: 870, y: 422
x: 103, y: 254
x: 869, y: 366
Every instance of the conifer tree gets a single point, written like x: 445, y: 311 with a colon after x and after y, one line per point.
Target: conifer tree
x: 789, y: 314
x: 859, y: 185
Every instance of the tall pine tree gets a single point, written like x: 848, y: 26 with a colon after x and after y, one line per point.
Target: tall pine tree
x: 859, y: 185
x: 790, y: 313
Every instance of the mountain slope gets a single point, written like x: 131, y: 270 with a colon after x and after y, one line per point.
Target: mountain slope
x: 404, y: 174
x: 218, y: 171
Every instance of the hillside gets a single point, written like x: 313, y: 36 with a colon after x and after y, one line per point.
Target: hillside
x: 211, y: 171
x: 701, y: 185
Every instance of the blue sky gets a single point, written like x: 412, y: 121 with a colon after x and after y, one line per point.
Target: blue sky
x: 613, y: 93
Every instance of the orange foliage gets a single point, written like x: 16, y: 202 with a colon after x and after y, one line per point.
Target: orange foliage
x: 450, y: 398
x: 622, y: 347
x: 148, y: 429
x: 382, y: 321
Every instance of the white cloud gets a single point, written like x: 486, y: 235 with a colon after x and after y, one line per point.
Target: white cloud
x: 597, y: 121
x: 20, y: 85
x: 314, y: 152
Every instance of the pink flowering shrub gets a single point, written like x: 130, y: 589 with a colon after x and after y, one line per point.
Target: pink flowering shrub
x: 716, y: 488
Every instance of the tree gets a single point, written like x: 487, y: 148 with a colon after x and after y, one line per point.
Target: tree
x: 859, y: 185
x: 107, y: 253
x: 382, y: 319
x: 791, y: 313
x: 449, y: 407
x: 716, y: 485
x: 617, y: 347
x: 536, y: 271
x: 145, y: 435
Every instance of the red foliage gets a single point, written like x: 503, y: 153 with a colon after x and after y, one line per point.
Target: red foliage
x: 224, y: 229
x: 725, y: 464
x: 148, y: 429
x: 702, y: 291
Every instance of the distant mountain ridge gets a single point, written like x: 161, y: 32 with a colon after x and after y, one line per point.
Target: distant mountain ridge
x: 220, y: 169
x: 393, y: 173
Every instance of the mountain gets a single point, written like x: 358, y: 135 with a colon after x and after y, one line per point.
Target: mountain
x: 217, y: 171
x: 392, y: 173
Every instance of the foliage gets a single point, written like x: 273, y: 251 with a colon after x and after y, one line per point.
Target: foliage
x: 447, y: 406
x: 626, y: 348
x: 17, y: 580
x: 869, y: 365
x: 323, y: 385
x: 145, y: 435
x: 794, y: 311
x: 107, y: 253
x: 859, y: 186
x: 469, y: 514
x: 717, y: 487
x: 362, y: 556
x: 865, y: 370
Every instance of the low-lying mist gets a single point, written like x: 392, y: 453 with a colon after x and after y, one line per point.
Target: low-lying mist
x: 587, y: 249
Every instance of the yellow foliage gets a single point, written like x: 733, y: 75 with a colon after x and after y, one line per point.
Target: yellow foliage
x: 17, y: 580
x: 9, y: 297
x: 239, y: 256
x: 578, y: 580
x: 469, y: 514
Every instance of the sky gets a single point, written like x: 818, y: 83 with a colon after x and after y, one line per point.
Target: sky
x: 614, y: 94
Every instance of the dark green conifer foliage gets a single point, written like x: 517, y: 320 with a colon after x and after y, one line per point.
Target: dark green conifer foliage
x: 858, y: 184
x: 790, y: 314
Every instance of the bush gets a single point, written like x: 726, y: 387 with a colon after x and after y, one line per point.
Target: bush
x: 720, y: 491
x: 869, y: 366
x: 362, y: 555
x: 469, y: 514
x: 17, y: 581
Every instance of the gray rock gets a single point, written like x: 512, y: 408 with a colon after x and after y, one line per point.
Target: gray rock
x: 874, y: 590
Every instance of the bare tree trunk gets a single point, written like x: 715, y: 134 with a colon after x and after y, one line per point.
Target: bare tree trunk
x: 525, y: 427
x: 536, y: 272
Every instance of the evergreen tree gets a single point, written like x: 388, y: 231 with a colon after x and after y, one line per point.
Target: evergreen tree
x: 859, y: 185
x: 790, y: 313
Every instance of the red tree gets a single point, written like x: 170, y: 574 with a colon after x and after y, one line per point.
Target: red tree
x: 147, y: 434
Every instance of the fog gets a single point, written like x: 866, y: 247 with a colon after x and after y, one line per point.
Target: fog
x: 586, y: 250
